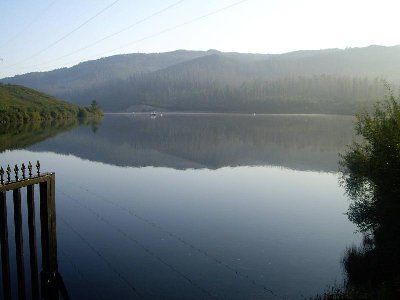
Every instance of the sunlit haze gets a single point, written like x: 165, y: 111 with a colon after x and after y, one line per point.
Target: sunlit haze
x: 199, y: 149
x: 44, y: 35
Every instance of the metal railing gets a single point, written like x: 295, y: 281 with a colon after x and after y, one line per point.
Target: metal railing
x: 51, y: 284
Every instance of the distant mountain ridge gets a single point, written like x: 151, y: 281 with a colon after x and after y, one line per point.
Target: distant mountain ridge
x: 101, y: 70
x: 331, y: 80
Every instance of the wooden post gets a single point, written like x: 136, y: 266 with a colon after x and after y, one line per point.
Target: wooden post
x: 49, y: 277
x: 19, y: 243
x: 5, y: 255
x: 32, y: 241
x: 48, y: 237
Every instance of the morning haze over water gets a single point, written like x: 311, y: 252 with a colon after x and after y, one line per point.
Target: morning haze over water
x: 199, y: 149
x: 209, y: 206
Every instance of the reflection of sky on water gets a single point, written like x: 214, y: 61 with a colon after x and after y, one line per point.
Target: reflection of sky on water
x: 232, y: 233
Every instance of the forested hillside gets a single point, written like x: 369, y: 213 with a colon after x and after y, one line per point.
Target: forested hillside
x: 97, y: 72
x: 318, y: 81
x: 19, y: 104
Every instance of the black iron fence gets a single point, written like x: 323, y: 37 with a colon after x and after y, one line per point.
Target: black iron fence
x: 49, y: 285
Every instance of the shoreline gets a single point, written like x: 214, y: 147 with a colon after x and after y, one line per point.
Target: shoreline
x: 188, y: 113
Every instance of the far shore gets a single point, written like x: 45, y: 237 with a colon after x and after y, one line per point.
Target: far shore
x: 179, y: 113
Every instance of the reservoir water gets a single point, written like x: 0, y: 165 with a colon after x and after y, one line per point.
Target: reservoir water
x: 196, y: 206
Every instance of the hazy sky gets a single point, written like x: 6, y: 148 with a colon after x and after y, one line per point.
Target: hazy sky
x: 47, y: 34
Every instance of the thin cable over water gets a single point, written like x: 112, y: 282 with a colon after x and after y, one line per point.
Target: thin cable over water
x: 181, y: 240
x: 196, y: 19
x: 107, y: 262
x: 113, y: 34
x: 28, y: 25
x: 80, y: 273
x: 144, y: 248
x: 67, y: 34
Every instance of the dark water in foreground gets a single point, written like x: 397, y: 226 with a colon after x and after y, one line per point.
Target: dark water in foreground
x: 198, y: 207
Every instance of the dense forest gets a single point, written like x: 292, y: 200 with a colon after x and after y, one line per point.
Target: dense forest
x: 318, y: 81
x: 19, y: 104
x: 300, y: 94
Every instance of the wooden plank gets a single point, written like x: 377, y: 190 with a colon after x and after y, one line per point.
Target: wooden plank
x: 19, y: 243
x: 23, y: 183
x: 32, y: 241
x: 5, y: 255
x: 48, y: 237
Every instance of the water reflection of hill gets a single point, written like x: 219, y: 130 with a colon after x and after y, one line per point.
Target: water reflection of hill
x: 209, y: 141
x: 18, y: 136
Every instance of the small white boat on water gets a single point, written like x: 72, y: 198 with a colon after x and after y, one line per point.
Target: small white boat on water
x: 156, y: 114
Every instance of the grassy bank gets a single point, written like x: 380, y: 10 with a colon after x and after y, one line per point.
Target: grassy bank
x: 21, y: 105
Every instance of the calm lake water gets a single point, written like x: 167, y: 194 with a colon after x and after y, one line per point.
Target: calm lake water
x: 197, y: 206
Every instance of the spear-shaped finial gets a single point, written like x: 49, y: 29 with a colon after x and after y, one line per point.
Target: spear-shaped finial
x: 16, y: 171
x: 8, y: 171
x: 1, y: 175
x: 23, y: 168
x: 38, y: 167
x: 30, y: 169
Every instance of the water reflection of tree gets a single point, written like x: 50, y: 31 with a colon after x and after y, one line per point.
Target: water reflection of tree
x: 370, y: 176
x: 17, y: 136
